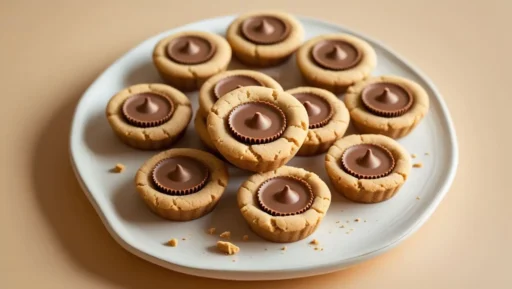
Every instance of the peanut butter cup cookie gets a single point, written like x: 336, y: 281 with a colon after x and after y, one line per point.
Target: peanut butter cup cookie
x: 388, y: 105
x: 224, y: 82
x: 367, y: 168
x: 328, y: 119
x: 257, y: 128
x: 182, y: 184
x: 149, y: 116
x: 336, y: 61
x: 186, y: 59
x: 285, y: 205
x: 264, y: 38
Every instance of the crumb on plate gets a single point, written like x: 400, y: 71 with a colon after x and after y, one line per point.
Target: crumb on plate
x: 225, y: 235
x: 227, y: 248
x: 172, y: 242
x: 119, y: 168
x: 417, y: 165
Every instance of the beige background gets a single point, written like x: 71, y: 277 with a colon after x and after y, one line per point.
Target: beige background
x: 50, y: 51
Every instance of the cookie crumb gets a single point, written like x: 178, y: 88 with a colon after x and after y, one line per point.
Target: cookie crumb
x: 417, y: 165
x: 417, y: 198
x: 414, y: 156
x: 365, y: 221
x: 184, y: 239
x: 119, y: 168
x: 357, y: 220
x: 211, y: 231
x: 245, y: 238
x: 342, y: 226
x: 266, y: 249
x: 321, y: 249
x: 233, y: 260
x: 316, y: 248
x: 225, y: 235
x: 284, y: 248
x: 314, y: 242
x: 172, y: 242
x: 227, y: 247
x: 337, y: 222
x: 427, y: 154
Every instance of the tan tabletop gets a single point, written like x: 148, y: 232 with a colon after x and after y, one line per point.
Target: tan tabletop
x: 50, y: 51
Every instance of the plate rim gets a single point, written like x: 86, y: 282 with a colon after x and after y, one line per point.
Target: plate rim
x: 289, y: 272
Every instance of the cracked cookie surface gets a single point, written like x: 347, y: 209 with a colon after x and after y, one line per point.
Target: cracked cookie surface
x: 258, y: 157
x: 183, y: 207
x: 319, y: 140
x: 189, y: 77
x: 395, y: 127
x: 367, y: 190
x: 283, y: 228
x: 150, y: 138
x: 260, y: 54
x: 335, y: 80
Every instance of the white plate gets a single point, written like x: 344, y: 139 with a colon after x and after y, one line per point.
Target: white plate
x: 95, y: 149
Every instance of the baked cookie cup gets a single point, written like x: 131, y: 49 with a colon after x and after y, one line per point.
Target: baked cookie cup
x: 388, y: 105
x: 149, y: 116
x: 257, y: 128
x: 186, y: 59
x: 202, y: 132
x: 328, y: 119
x: 224, y: 82
x: 367, y: 168
x: 285, y: 205
x: 264, y: 38
x: 182, y: 184
x: 335, y: 61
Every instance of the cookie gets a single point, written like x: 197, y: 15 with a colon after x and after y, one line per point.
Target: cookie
x: 222, y: 83
x: 202, y: 132
x: 264, y: 38
x: 186, y: 59
x: 182, y: 184
x: 257, y: 128
x: 149, y: 116
x: 388, y: 105
x: 335, y: 61
x: 367, y: 168
x: 285, y: 205
x: 328, y: 119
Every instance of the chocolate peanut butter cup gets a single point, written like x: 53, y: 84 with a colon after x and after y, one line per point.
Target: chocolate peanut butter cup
x: 318, y: 108
x: 285, y: 196
x: 180, y: 175
x: 256, y: 122
x: 231, y: 83
x: 265, y: 29
x: 367, y: 161
x: 147, y: 109
x: 386, y: 99
x: 336, y: 54
x: 190, y: 50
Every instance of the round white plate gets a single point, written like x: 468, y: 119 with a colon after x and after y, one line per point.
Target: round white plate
x: 95, y: 150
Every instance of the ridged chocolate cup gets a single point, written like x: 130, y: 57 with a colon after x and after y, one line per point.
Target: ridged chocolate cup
x: 367, y: 177
x: 281, y: 214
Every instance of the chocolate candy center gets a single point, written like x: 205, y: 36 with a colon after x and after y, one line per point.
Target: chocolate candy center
x: 336, y: 54
x: 231, y: 83
x: 147, y: 109
x: 180, y: 175
x: 190, y: 50
x: 265, y: 29
x: 256, y: 122
x: 318, y: 108
x: 386, y: 99
x: 367, y: 161
x: 283, y: 196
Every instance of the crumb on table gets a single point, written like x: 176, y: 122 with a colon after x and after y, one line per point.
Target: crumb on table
x: 225, y: 235
x: 414, y: 156
x: 211, y: 231
x: 119, y: 168
x: 172, y: 242
x: 357, y: 220
x: 417, y: 165
x: 227, y: 247
x: 245, y: 238
x: 314, y: 242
